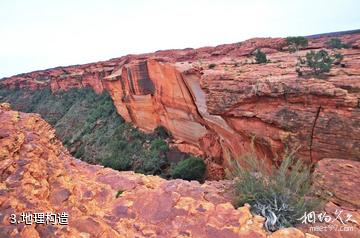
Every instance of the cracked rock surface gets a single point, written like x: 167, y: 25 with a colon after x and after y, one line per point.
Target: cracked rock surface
x: 37, y: 174
x: 215, y: 112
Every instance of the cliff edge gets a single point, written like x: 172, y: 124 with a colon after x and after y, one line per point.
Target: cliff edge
x: 37, y: 175
x: 216, y: 101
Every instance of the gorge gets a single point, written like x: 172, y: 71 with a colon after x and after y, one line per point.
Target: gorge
x: 216, y: 103
x: 218, y: 113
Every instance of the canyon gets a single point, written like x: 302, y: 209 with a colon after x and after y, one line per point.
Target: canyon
x: 37, y: 174
x: 218, y: 104
x: 231, y: 109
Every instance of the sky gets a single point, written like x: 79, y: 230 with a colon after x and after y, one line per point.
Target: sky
x: 40, y: 34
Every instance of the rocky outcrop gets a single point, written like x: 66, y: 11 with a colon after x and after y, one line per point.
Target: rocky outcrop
x: 37, y: 175
x: 226, y: 111
x: 338, y: 180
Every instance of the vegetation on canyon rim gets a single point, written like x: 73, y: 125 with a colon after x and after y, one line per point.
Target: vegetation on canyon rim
x: 280, y: 194
x: 91, y: 129
x: 336, y: 43
x: 192, y: 168
x: 295, y: 43
x: 260, y: 57
x: 211, y: 66
x: 315, y: 63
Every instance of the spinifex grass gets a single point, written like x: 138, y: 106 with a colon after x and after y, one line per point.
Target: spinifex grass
x: 280, y: 194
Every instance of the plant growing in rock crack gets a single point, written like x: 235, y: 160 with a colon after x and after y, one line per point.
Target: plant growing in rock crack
x: 260, y: 57
x: 296, y: 42
x: 317, y: 62
x: 118, y: 193
x: 211, y: 66
x: 280, y: 194
x: 336, y: 43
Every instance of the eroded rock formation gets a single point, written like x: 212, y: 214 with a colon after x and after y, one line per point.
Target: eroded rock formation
x: 37, y: 174
x: 220, y: 112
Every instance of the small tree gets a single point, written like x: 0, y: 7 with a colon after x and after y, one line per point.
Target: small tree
x: 296, y: 42
x: 159, y: 145
x: 338, y: 58
x: 260, y: 56
x: 335, y: 43
x: 318, y: 62
x: 211, y: 66
x: 162, y: 132
x: 192, y: 168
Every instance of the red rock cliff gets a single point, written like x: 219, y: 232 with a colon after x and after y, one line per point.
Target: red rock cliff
x: 37, y: 175
x: 220, y: 112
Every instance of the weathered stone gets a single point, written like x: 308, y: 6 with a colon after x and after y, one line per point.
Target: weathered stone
x: 338, y: 180
x: 148, y: 206
x: 218, y: 112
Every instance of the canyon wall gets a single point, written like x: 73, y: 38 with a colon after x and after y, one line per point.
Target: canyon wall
x: 38, y: 175
x: 233, y: 108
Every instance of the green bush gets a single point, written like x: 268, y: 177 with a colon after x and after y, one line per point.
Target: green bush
x: 335, y: 43
x: 118, y: 193
x: 162, y: 132
x: 151, y: 163
x: 211, y: 66
x: 282, y: 195
x: 120, y: 163
x: 338, y: 58
x: 296, y: 42
x: 260, y: 57
x: 159, y: 145
x: 192, y: 168
x: 318, y: 62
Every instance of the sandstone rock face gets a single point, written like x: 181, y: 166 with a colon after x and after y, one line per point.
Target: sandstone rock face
x: 37, y: 174
x: 339, y: 180
x: 221, y: 112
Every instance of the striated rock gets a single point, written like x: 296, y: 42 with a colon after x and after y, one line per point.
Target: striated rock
x: 339, y: 180
x: 225, y: 112
x: 37, y: 174
x: 290, y: 232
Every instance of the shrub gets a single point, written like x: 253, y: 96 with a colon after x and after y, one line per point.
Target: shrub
x: 118, y: 194
x: 335, y: 43
x: 296, y: 42
x: 338, y: 58
x: 80, y: 151
x: 211, y: 66
x: 192, y: 168
x: 120, y: 163
x: 318, y: 62
x: 162, y: 132
x: 150, y: 163
x: 282, y: 195
x: 260, y: 57
x: 159, y: 145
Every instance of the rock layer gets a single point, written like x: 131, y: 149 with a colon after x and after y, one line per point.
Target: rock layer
x: 339, y: 181
x: 221, y: 112
x: 37, y: 174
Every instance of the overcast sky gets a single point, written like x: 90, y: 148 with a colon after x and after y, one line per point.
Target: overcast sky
x: 39, y: 34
